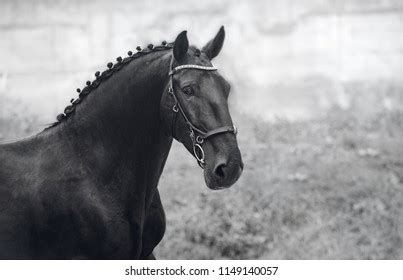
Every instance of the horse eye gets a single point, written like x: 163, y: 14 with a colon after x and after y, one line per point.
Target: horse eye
x: 187, y: 90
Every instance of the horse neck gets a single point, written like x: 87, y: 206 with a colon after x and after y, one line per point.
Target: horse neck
x: 116, y: 130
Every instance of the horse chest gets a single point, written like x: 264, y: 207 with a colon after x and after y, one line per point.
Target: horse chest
x: 131, y: 236
x: 134, y: 239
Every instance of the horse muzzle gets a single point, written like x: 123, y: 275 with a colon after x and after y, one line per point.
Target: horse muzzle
x: 223, y: 173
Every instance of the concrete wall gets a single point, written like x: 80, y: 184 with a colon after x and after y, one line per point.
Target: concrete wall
x: 284, y: 58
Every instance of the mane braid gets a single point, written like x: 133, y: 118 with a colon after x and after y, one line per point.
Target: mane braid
x: 100, y: 77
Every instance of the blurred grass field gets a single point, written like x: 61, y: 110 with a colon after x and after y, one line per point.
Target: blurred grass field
x: 328, y: 188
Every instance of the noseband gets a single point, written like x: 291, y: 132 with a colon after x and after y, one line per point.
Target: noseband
x: 196, y: 135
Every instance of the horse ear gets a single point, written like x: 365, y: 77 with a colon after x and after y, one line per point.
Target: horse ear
x: 213, y: 48
x: 181, y: 46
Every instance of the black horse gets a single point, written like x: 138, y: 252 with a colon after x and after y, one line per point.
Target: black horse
x: 86, y: 187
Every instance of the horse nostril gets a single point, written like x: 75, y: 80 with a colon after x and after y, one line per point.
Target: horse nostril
x: 219, y: 171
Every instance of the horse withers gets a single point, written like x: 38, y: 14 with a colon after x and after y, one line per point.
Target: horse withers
x: 86, y: 187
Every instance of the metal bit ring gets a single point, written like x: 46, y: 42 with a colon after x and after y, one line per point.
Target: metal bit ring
x: 198, y: 153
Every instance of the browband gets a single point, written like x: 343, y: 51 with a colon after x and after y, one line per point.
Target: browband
x: 191, y: 66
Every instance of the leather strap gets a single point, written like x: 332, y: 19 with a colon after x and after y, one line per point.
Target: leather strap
x: 220, y: 130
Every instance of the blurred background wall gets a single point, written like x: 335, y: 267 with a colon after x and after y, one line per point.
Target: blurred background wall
x: 285, y: 58
x: 316, y: 91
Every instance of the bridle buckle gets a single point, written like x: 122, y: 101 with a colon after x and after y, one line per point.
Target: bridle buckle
x: 199, y: 139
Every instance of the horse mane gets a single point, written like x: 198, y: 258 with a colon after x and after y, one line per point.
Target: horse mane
x: 100, y: 77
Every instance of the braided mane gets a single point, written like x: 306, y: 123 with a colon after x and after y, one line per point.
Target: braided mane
x: 100, y: 77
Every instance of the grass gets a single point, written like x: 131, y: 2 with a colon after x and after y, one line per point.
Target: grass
x: 324, y: 189
x: 329, y: 188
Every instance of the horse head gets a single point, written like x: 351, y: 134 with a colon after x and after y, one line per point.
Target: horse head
x: 194, y: 110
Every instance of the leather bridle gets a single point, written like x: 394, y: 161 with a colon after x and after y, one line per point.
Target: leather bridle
x: 196, y: 135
